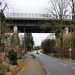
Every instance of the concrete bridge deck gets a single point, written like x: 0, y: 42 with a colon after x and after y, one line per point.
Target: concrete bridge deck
x: 32, y: 22
x: 34, y: 16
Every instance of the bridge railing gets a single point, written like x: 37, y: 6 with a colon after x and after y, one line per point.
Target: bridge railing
x: 34, y: 16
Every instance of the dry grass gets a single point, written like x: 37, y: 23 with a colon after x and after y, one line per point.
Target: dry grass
x: 33, y: 57
x: 18, y: 67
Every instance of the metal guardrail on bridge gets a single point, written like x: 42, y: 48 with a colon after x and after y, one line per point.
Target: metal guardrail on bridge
x: 34, y: 16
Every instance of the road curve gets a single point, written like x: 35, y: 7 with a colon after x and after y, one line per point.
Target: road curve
x: 55, y: 66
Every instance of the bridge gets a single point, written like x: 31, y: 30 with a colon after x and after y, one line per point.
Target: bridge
x: 30, y: 21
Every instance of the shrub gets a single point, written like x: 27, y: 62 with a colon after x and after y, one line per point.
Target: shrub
x: 67, y: 38
x: 12, y: 55
x: 48, y: 45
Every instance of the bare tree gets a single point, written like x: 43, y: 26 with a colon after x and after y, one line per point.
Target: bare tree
x: 73, y: 33
x: 60, y: 11
x: 72, y: 5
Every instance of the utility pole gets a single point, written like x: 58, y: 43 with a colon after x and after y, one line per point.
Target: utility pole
x: 24, y: 44
x: 70, y: 50
x: 0, y: 35
x: 0, y: 21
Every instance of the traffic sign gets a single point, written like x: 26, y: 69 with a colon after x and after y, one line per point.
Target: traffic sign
x: 70, y: 49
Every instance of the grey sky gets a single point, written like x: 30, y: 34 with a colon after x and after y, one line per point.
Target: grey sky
x: 28, y: 6
x: 37, y: 37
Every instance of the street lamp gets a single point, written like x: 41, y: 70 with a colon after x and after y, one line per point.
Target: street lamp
x: 24, y: 44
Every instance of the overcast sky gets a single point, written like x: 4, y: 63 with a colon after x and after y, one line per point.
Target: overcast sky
x: 37, y: 37
x: 28, y: 6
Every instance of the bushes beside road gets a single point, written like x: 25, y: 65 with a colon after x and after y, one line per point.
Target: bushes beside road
x: 54, y: 46
x: 48, y: 45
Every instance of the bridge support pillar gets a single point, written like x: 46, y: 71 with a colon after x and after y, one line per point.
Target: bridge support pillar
x: 66, y: 30
x: 16, y: 37
x: 16, y: 40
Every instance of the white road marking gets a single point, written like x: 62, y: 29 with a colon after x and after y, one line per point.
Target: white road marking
x: 53, y: 60
x: 73, y: 67
x: 62, y: 64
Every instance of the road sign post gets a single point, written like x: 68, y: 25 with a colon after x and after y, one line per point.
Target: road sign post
x: 70, y: 54
x: 24, y: 44
x: 70, y: 49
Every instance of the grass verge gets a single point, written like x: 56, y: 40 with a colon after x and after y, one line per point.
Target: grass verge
x: 45, y: 71
x: 58, y: 56
x: 32, y: 51
x: 33, y: 57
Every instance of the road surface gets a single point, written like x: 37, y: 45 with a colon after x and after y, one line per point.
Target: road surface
x: 55, y: 66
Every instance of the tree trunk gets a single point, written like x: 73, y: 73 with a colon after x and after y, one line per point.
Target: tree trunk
x: 62, y: 44
x: 74, y: 45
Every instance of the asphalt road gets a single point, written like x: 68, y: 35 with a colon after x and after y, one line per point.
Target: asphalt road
x: 55, y: 66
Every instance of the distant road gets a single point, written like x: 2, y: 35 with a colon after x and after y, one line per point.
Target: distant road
x: 55, y: 66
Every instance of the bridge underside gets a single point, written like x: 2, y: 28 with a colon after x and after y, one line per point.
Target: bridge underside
x: 28, y: 29
x: 31, y: 26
